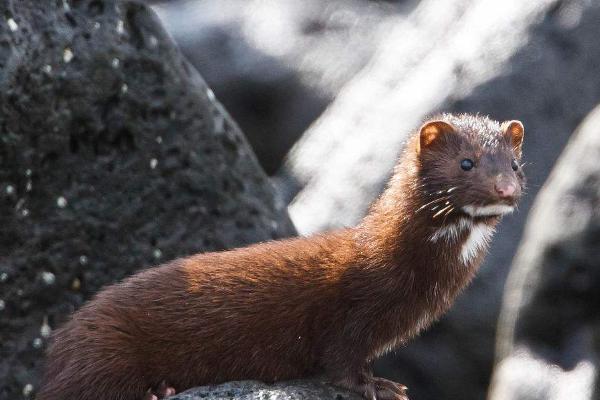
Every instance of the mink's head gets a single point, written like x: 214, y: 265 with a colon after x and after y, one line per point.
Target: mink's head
x: 470, y: 165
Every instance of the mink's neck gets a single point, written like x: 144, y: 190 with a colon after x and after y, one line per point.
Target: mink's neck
x: 398, y: 233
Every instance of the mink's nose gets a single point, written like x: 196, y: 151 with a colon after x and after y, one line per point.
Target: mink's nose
x: 505, y: 190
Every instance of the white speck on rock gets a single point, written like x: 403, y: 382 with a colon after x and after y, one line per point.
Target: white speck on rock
x: 157, y: 253
x: 27, y: 390
x: 120, y: 27
x: 37, y: 343
x: 47, y: 69
x: 153, y: 41
x: 10, y: 189
x: 61, y: 202
x: 28, y: 172
x: 115, y: 62
x: 97, y: 25
x: 2, y: 305
x: 28, y: 186
x: 25, y: 212
x: 12, y: 25
x: 67, y: 55
x: 48, y: 277
x: 124, y: 88
x: 83, y: 260
x: 45, y: 329
x: 153, y: 163
x: 210, y: 94
x: 3, y: 277
x: 159, y: 139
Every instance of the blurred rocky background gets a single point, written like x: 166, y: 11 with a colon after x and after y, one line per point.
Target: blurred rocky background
x: 115, y: 154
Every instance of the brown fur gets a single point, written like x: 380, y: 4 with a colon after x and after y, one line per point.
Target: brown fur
x: 329, y: 303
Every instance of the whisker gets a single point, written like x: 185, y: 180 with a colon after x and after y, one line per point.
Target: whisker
x: 447, y: 214
x: 437, y: 214
x: 432, y: 202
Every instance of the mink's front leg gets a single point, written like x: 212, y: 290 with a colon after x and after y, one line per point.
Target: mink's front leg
x: 372, y: 388
x: 356, y: 375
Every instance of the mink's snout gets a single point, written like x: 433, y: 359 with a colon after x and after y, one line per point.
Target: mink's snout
x: 507, y: 190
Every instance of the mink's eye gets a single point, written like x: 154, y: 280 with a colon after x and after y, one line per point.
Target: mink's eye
x: 466, y: 164
x: 514, y: 165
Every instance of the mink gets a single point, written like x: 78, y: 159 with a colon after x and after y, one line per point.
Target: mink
x: 324, y: 306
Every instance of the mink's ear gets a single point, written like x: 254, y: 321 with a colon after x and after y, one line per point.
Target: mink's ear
x: 515, y: 132
x: 431, y: 132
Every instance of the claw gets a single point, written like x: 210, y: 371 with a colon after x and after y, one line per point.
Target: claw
x: 163, y: 390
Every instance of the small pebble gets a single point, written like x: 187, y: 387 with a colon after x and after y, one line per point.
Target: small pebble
x: 47, y: 69
x: 28, y: 172
x: 2, y: 305
x: 159, y: 139
x: 10, y: 189
x: 124, y: 88
x: 115, y: 62
x: 83, y: 260
x: 153, y: 163
x: 25, y: 212
x: 157, y: 253
x: 3, y: 277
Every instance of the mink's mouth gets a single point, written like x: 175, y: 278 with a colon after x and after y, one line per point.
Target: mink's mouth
x: 492, y: 210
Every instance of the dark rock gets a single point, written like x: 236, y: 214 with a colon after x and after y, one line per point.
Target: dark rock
x: 114, y: 155
x: 550, y: 322
x: 277, y: 65
x: 543, y: 72
x: 254, y: 390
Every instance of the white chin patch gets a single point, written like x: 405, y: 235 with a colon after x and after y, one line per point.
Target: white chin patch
x: 485, y: 211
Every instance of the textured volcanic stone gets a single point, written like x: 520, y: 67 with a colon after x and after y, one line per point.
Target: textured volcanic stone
x: 254, y: 390
x: 275, y: 64
x: 549, y: 331
x: 114, y: 155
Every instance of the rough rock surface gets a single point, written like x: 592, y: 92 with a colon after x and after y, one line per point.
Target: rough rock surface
x: 114, y: 155
x: 549, y: 331
x: 543, y: 72
x: 276, y: 64
x: 254, y: 390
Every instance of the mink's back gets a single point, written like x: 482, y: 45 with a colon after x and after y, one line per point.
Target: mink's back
x: 260, y: 312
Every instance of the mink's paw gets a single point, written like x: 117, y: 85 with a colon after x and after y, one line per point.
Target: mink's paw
x: 384, y: 389
x: 162, y: 391
x: 374, y: 388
